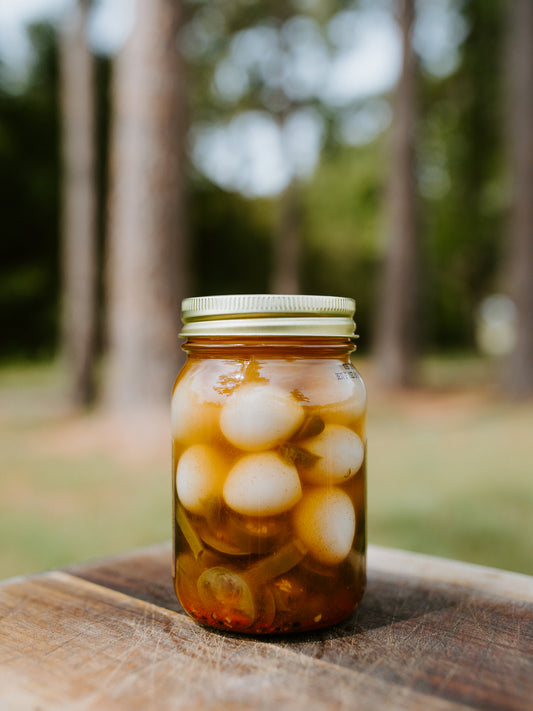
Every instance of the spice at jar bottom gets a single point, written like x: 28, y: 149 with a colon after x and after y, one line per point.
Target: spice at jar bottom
x: 269, y: 463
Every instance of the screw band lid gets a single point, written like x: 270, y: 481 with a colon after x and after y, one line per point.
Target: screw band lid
x: 268, y: 315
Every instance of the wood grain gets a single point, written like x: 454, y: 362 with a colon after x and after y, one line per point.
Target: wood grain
x: 110, y: 635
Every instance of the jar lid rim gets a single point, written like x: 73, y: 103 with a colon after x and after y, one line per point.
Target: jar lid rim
x: 268, y: 314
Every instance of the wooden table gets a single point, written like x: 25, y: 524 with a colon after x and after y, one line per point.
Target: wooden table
x: 430, y: 634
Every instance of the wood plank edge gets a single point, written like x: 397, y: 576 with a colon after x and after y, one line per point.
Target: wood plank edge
x: 485, y: 580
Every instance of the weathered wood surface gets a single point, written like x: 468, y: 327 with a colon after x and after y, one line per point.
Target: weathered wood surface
x: 429, y: 635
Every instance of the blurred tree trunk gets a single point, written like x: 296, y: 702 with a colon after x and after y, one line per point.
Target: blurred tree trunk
x: 79, y: 296
x: 146, y: 267
x: 519, y: 374
x: 395, y: 338
x: 287, y: 242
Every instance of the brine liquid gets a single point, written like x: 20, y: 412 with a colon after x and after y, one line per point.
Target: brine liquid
x: 292, y: 556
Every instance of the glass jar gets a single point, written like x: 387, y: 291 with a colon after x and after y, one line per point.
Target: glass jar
x: 269, y: 453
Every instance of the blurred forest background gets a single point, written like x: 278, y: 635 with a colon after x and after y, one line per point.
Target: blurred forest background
x: 234, y: 147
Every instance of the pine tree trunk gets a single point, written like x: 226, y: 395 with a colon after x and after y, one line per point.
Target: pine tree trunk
x: 396, y: 333
x: 146, y: 267
x: 519, y: 372
x: 287, y: 243
x: 79, y: 299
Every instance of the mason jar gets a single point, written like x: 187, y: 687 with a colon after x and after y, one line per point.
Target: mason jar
x: 269, y: 455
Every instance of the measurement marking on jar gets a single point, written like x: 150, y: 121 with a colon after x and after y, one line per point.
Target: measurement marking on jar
x: 348, y: 372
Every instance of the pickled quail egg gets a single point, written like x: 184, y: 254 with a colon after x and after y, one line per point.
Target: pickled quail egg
x: 193, y: 420
x: 324, y: 522
x: 262, y: 485
x: 199, y: 477
x: 339, y: 454
x: 335, y: 392
x: 258, y: 416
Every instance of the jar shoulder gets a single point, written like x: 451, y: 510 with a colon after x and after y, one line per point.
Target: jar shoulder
x: 314, y: 382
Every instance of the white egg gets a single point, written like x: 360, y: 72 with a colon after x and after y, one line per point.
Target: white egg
x: 200, y: 476
x: 339, y: 453
x: 260, y: 416
x: 343, y: 412
x: 193, y: 420
x: 262, y: 484
x: 335, y: 392
x: 324, y: 522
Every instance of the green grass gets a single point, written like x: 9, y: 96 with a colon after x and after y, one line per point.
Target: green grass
x: 450, y: 473
x: 460, y: 488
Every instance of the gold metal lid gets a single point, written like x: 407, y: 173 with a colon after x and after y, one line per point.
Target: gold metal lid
x: 268, y: 315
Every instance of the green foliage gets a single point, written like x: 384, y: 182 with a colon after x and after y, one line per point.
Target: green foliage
x: 463, y: 179
x: 343, y: 229
x: 231, y: 249
x: 29, y: 180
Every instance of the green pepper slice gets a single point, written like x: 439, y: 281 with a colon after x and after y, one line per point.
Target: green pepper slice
x: 239, y: 596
